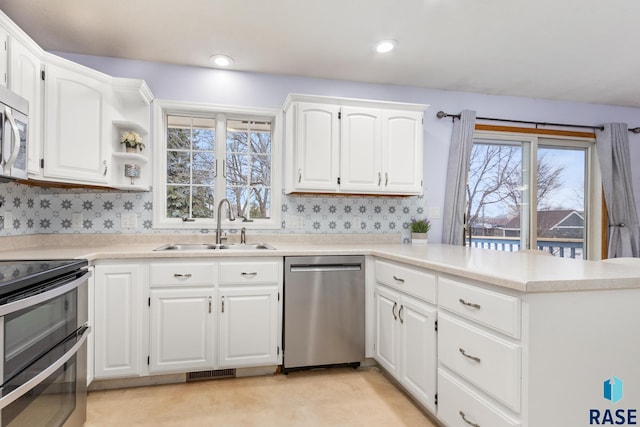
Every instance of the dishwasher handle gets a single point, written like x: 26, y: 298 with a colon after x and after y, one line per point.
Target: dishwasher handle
x: 299, y: 268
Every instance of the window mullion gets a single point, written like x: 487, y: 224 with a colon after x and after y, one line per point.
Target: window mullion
x: 220, y: 189
x: 533, y: 193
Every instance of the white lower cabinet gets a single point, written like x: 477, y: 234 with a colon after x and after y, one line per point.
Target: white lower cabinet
x: 405, y: 342
x: 460, y: 406
x: 250, y: 312
x: 248, y: 327
x: 181, y: 329
x: 118, y: 320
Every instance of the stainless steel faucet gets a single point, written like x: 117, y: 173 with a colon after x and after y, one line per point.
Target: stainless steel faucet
x: 219, y: 226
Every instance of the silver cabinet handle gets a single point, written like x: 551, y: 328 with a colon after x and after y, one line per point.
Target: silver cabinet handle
x: 400, y: 314
x: 209, y: 304
x: 393, y: 311
x: 223, y: 304
x: 469, y: 304
x: 182, y: 276
x: 379, y: 179
x: 215, y: 170
x: 299, y: 175
x: 224, y: 168
x: 398, y: 279
x: 105, y: 168
x: 386, y: 179
x: 464, y: 418
x: 252, y: 274
x: 468, y: 356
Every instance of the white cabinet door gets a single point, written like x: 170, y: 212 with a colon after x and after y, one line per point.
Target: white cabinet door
x: 402, y: 142
x: 118, y: 320
x: 4, y: 56
x: 181, y: 329
x: 26, y: 82
x: 317, y: 147
x: 418, y: 350
x: 75, y: 141
x: 249, y: 330
x: 387, y: 333
x: 361, y: 150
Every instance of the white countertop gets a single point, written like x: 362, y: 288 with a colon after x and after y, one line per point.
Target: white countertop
x: 525, y: 272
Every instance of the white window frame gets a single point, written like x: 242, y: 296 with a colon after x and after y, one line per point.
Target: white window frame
x: 593, y: 182
x: 161, y: 109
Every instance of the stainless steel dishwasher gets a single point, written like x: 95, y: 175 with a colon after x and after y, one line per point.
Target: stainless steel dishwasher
x: 324, y: 314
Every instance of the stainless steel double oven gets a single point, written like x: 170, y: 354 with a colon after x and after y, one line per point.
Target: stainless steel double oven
x: 43, y: 332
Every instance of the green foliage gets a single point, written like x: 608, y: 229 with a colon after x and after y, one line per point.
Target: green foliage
x: 420, y: 226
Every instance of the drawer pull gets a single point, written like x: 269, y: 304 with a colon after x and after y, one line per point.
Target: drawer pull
x: 398, y: 279
x: 393, y: 311
x: 182, y: 276
x: 468, y: 356
x: 400, y: 314
x: 252, y: 274
x: 464, y: 418
x: 469, y: 304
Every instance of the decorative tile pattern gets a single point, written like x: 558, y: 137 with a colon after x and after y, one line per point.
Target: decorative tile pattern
x: 37, y: 210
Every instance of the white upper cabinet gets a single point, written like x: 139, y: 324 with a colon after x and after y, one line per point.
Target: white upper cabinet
x: 4, y: 56
x: 26, y: 81
x: 76, y: 143
x: 338, y: 145
x: 402, y: 134
x: 313, y: 164
x: 361, y: 149
x: 76, y: 115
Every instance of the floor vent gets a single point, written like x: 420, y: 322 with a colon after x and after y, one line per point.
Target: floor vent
x: 211, y: 375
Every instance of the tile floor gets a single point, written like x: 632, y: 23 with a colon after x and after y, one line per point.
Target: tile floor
x: 332, y: 397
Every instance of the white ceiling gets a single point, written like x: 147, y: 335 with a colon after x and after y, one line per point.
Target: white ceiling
x: 576, y: 50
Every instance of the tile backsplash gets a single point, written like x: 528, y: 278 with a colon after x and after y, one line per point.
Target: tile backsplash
x: 38, y: 210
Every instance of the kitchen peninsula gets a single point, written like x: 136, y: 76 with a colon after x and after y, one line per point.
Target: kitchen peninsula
x: 522, y: 339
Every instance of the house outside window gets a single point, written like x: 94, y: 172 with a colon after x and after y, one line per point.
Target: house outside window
x: 528, y: 191
x: 206, y: 153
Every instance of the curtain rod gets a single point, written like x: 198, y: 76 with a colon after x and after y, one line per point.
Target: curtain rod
x: 442, y: 115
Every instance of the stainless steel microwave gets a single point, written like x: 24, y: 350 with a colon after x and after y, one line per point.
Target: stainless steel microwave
x: 14, y: 127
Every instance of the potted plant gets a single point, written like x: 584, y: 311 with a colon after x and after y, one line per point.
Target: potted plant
x: 420, y: 230
x: 132, y: 141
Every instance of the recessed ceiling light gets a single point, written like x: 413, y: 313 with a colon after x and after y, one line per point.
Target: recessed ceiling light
x: 221, y: 60
x: 386, y: 46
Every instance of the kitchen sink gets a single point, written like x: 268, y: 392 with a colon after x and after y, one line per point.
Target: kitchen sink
x: 179, y: 247
x: 247, y: 246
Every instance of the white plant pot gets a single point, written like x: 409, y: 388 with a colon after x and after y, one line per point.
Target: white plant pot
x: 419, y: 238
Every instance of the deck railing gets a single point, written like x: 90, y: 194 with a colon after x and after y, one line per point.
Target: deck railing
x: 565, y: 248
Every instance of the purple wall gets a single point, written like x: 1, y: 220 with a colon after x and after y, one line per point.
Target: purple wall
x: 175, y: 82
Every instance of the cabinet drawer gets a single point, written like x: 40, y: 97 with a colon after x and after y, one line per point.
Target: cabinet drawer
x: 181, y: 273
x: 487, y: 361
x: 495, y: 310
x: 459, y: 406
x: 413, y: 281
x: 232, y: 273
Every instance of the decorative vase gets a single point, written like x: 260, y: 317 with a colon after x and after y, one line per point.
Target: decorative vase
x: 419, y: 238
x: 131, y: 149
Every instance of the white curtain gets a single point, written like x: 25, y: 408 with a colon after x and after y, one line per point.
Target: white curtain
x: 613, y: 153
x: 457, y: 176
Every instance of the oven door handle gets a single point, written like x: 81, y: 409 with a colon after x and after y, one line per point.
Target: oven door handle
x: 45, y: 296
x: 16, y: 394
